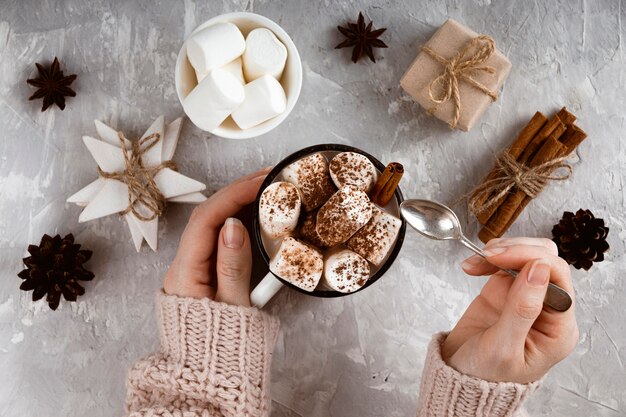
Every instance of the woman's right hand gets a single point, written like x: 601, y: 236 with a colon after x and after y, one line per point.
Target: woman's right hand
x: 505, y: 334
x: 214, y: 257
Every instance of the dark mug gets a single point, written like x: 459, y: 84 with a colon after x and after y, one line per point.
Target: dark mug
x: 272, y: 283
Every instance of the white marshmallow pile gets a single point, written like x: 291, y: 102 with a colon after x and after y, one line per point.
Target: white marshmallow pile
x: 236, y: 77
x: 328, y: 230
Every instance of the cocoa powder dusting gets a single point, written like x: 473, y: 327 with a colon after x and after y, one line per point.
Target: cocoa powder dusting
x: 342, y: 215
x: 351, y: 168
x: 350, y: 272
x: 298, y: 263
x: 376, y: 238
x: 314, y: 181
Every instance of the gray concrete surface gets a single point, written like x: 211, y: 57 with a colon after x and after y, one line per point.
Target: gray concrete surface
x: 355, y: 356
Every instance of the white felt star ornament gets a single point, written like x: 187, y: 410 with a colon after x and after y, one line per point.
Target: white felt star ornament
x: 136, y: 179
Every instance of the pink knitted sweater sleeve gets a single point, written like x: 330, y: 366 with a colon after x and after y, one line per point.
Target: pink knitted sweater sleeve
x: 214, y: 361
x: 445, y: 392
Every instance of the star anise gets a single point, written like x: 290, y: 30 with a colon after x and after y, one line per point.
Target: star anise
x: 362, y: 38
x: 52, y: 85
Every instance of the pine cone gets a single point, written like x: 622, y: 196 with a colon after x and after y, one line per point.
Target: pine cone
x: 54, y: 268
x: 581, y: 238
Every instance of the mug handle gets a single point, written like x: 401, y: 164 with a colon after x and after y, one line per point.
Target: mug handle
x: 265, y: 290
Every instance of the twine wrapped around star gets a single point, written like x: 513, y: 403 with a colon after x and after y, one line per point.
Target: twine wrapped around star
x: 142, y: 189
x: 137, y: 179
x: 510, y: 174
x: 460, y: 68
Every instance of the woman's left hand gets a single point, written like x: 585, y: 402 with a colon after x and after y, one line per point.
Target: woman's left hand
x: 214, y: 257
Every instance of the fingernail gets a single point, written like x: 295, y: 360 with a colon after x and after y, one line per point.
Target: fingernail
x: 471, y: 262
x: 233, y: 233
x: 539, y: 273
x: 495, y: 251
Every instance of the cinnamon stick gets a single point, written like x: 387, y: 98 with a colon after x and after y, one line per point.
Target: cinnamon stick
x: 572, y: 137
x: 554, y: 127
x: 387, y: 183
x: 566, y: 117
x: 515, y: 150
x: 507, y: 212
x: 553, y: 124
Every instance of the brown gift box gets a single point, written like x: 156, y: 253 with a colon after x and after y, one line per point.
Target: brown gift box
x: 448, y: 41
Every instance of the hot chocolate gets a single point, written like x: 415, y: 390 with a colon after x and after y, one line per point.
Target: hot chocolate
x: 339, y: 237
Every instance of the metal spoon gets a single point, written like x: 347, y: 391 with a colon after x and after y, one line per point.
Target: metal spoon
x: 439, y: 222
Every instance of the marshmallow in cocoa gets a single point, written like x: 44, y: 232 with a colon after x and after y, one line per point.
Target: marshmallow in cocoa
x: 345, y: 271
x: 279, y: 209
x: 351, y: 168
x: 377, y: 237
x: 348, y: 210
x: 310, y: 175
x: 298, y: 264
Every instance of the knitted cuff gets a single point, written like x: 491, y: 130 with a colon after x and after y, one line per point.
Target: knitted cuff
x: 444, y: 391
x: 218, y: 350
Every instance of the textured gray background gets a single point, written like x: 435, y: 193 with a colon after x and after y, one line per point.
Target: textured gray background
x: 355, y: 356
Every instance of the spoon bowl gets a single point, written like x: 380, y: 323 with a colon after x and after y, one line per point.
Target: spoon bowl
x: 432, y: 219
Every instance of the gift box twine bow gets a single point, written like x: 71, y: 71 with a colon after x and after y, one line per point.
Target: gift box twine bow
x: 510, y: 173
x: 142, y: 189
x: 461, y: 67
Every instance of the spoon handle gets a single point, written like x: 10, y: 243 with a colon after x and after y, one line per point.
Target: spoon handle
x: 556, y: 297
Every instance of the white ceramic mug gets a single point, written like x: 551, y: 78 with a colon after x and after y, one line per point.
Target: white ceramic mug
x: 271, y: 284
x: 267, y: 288
x: 291, y: 80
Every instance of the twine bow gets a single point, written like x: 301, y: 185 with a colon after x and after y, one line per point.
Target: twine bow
x: 142, y: 189
x: 529, y: 180
x: 460, y: 67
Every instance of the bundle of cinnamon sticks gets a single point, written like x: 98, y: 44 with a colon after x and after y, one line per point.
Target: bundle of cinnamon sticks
x: 538, y: 151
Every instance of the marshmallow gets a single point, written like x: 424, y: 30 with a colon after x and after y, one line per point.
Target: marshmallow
x: 234, y: 67
x: 264, y: 55
x: 298, y: 264
x: 342, y: 215
x: 350, y: 168
x: 279, y: 209
x: 214, y: 47
x: 376, y: 238
x: 345, y: 271
x: 265, y: 99
x: 310, y: 175
x: 307, y: 231
x: 214, y: 99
